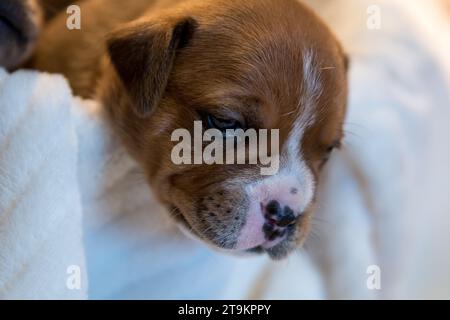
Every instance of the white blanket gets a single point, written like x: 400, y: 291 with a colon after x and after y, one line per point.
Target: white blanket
x: 384, y: 198
x: 40, y: 209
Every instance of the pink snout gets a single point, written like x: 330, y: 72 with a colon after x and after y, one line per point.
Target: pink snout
x: 274, y: 210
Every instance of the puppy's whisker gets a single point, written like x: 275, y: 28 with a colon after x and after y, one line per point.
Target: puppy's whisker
x: 348, y: 123
x: 321, y: 220
x: 289, y: 113
x: 328, y: 68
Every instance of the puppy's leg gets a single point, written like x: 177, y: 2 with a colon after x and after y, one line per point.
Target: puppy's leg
x: 20, y: 24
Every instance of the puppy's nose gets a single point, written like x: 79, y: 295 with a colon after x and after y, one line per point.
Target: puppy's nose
x: 279, y: 215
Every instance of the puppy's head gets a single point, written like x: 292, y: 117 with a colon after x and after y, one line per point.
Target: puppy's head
x: 262, y: 64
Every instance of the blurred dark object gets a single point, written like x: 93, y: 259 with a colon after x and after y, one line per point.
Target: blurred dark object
x: 20, y: 23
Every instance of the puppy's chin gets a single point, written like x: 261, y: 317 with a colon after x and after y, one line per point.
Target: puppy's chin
x: 281, y: 250
x: 276, y: 251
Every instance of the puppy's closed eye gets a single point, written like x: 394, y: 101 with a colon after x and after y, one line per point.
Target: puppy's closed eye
x: 337, y: 144
x: 222, y: 124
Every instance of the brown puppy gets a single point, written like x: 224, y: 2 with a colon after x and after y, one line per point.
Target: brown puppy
x: 252, y: 64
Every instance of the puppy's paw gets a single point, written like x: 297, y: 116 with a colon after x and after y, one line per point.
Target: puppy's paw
x: 20, y: 23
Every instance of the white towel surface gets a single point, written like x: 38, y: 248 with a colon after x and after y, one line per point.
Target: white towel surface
x: 40, y: 212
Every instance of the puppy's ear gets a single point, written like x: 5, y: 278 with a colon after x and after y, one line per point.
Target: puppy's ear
x: 143, y: 55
